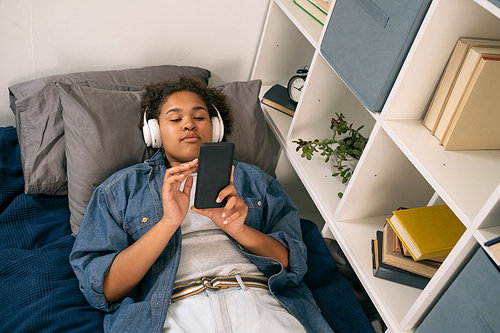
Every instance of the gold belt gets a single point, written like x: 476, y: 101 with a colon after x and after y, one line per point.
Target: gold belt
x: 190, y: 288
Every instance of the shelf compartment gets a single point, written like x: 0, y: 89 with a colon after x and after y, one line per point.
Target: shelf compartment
x: 465, y: 180
x: 282, y: 50
x: 484, y: 235
x: 393, y: 300
x: 279, y: 122
x: 446, y: 21
x: 309, y: 27
x: 490, y: 7
x: 324, y: 95
x: 384, y: 180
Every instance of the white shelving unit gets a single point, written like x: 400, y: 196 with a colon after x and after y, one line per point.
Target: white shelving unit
x: 403, y: 164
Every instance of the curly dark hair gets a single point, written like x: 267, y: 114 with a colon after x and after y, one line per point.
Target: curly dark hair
x: 157, y: 94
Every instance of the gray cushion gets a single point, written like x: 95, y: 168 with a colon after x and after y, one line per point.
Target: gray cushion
x: 102, y: 136
x: 249, y: 132
x: 40, y: 125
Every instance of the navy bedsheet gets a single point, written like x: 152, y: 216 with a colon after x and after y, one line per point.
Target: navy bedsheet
x: 38, y: 289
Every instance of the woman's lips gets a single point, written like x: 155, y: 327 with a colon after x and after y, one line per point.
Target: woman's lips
x: 190, y: 138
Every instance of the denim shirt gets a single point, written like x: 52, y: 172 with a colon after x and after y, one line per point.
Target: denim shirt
x: 128, y: 204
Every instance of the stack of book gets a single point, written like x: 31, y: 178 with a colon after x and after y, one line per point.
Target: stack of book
x: 317, y: 9
x: 414, y: 243
x: 463, y: 113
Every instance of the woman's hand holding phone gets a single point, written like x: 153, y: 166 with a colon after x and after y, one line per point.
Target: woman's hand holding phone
x: 176, y: 202
x: 231, y: 217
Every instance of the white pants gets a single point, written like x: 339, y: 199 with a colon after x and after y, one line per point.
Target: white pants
x: 238, y: 310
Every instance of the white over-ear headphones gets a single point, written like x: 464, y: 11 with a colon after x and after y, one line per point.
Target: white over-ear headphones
x: 152, y: 137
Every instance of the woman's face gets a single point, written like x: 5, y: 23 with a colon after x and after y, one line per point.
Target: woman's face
x: 184, y: 126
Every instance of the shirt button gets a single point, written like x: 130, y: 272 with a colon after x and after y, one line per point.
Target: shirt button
x: 259, y: 203
x: 144, y: 220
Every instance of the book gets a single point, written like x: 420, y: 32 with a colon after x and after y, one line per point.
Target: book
x: 277, y: 98
x: 474, y: 55
x: 449, y: 76
x: 391, y: 273
x: 494, y: 245
x: 492, y: 241
x: 427, y: 232
x: 312, y: 10
x: 495, y: 249
x: 397, y: 259
x: 474, y: 124
x: 321, y: 5
x: 399, y: 247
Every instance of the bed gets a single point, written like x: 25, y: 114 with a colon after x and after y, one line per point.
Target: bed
x: 72, y: 132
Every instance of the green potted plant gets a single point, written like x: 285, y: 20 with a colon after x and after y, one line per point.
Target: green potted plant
x: 346, y: 143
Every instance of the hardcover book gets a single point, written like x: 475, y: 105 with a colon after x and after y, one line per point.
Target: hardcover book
x: 462, y: 81
x: 427, y: 232
x: 449, y: 77
x: 494, y: 245
x: 277, y: 98
x: 474, y: 123
x: 321, y: 5
x: 397, y: 259
x: 311, y: 9
x: 392, y: 273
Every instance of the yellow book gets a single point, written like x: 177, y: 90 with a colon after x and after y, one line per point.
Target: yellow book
x: 427, y: 232
x: 474, y: 124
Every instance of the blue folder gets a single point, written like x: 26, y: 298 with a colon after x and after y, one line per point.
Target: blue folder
x: 366, y: 43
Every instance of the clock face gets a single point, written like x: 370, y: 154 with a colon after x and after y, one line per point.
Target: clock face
x: 295, y: 87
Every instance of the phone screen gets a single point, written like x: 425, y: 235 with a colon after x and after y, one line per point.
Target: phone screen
x: 214, y: 173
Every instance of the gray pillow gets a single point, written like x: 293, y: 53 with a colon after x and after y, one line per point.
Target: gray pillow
x: 249, y: 132
x: 40, y: 126
x: 102, y: 136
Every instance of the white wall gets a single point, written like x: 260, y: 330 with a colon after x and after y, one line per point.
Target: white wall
x: 47, y: 37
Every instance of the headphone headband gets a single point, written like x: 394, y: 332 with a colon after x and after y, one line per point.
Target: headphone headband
x: 151, y: 130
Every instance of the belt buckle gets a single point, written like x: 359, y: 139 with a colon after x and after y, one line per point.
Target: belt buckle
x: 207, y: 284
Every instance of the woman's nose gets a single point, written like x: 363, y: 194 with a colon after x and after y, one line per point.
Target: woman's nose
x: 189, y: 126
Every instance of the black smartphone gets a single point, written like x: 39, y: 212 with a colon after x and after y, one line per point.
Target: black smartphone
x: 214, y: 173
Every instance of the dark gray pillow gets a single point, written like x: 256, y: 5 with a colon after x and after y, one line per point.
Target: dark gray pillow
x: 40, y: 125
x: 102, y: 136
x: 249, y: 132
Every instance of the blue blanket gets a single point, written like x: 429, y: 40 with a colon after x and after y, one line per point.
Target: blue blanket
x: 38, y: 288
x: 39, y: 291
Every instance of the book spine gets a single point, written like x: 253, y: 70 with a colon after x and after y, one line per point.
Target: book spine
x: 315, y: 4
x: 305, y: 10
x: 492, y: 241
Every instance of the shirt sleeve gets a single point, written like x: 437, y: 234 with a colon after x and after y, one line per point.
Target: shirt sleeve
x: 99, y: 240
x: 272, y: 212
x: 282, y: 222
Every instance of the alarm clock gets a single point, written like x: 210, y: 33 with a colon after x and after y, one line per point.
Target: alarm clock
x: 296, y: 83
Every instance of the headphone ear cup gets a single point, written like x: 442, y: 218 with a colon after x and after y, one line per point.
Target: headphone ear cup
x: 146, y: 132
x: 154, y: 129
x: 217, y: 129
